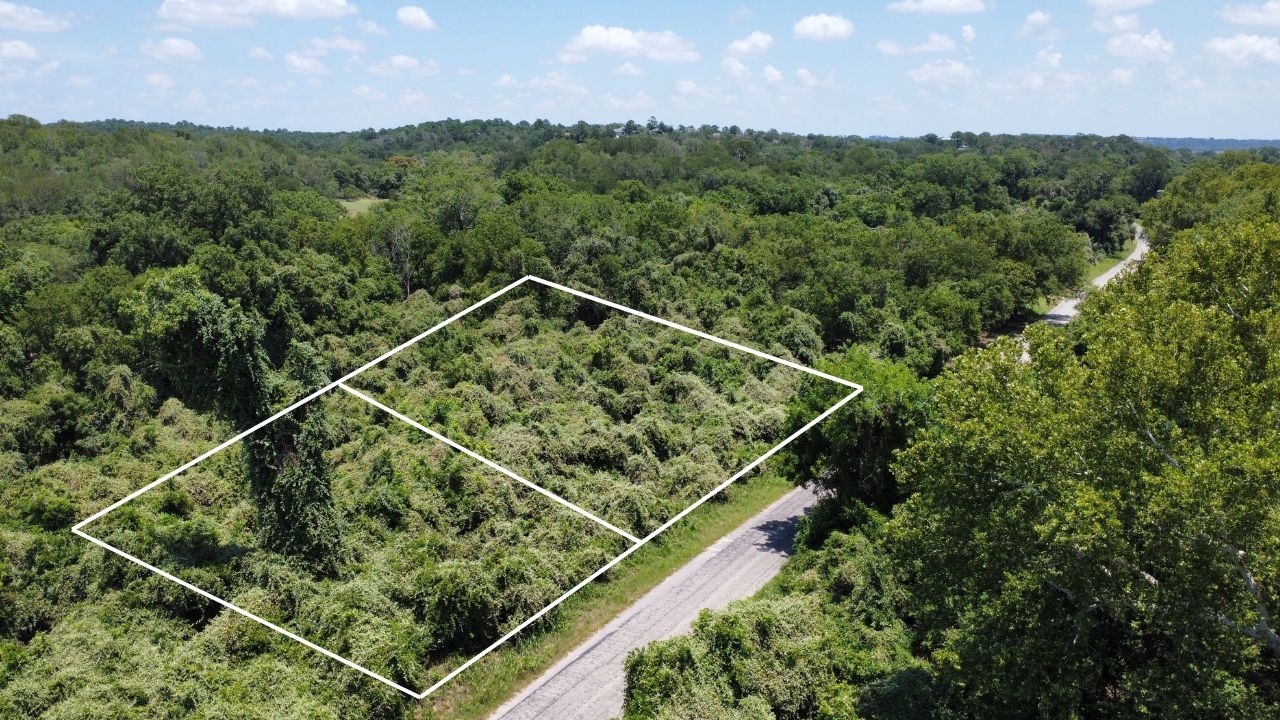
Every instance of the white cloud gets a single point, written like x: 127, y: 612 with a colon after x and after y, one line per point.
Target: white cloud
x: 303, y: 64
x: 1111, y: 23
x: 771, y: 75
x: 160, y: 81
x: 414, y: 99
x: 686, y: 87
x: 172, y: 48
x: 397, y: 64
x: 1245, y: 48
x: 80, y: 81
x: 195, y: 100
x: 260, y: 53
x: 735, y: 68
x: 366, y: 92
x: 628, y: 69
x: 12, y: 73
x: 1049, y: 58
x: 321, y: 46
x: 639, y: 101
x: 1113, y: 6
x: 1036, y: 23
x: 556, y: 80
x: 1121, y: 76
x: 1151, y: 46
x: 17, y: 50
x: 559, y: 81
x: 968, y: 33
x: 371, y: 27
x: 1033, y: 81
x: 412, y: 16
x: 238, y: 13
x: 757, y: 43
x: 806, y: 78
x: 29, y: 19
x: 942, y: 71
x: 664, y: 46
x: 946, y: 7
x: 1267, y: 13
x: 823, y: 27
x: 936, y: 42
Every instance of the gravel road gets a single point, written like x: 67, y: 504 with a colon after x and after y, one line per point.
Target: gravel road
x: 588, y: 683
x: 1062, y: 313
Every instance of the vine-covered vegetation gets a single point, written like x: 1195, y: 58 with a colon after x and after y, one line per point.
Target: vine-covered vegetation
x: 162, y: 287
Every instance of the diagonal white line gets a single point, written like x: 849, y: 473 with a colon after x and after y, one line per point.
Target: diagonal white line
x: 246, y: 613
x: 753, y: 464
x: 626, y: 553
x: 237, y: 438
x: 477, y: 456
x: 341, y: 382
x: 691, y: 331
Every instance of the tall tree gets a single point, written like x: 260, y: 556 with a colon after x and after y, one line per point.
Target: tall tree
x: 214, y: 352
x: 1103, y: 519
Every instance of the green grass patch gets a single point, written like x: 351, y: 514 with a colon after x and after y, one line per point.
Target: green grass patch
x: 477, y: 692
x: 1102, y: 264
x: 1108, y: 261
x: 355, y: 207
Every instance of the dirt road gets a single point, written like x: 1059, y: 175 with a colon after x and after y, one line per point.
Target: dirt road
x: 1062, y: 313
x: 588, y: 683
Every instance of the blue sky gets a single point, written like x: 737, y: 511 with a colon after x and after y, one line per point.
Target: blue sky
x: 1143, y: 67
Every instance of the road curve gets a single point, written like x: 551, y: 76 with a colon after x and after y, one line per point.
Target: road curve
x: 1062, y: 313
x: 588, y: 683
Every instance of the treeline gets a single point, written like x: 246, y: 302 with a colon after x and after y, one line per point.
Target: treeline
x: 1266, y: 148
x: 162, y: 287
x: 1087, y: 533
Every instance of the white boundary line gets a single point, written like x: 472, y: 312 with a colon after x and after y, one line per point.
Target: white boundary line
x: 341, y: 383
x: 297, y: 404
x: 691, y: 331
x: 469, y: 453
x: 625, y: 553
x: 246, y: 613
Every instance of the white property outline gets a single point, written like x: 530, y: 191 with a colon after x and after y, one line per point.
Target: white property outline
x: 340, y: 383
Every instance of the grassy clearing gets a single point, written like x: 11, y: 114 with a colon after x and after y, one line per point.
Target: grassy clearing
x: 355, y: 207
x: 487, y: 684
x: 1108, y: 261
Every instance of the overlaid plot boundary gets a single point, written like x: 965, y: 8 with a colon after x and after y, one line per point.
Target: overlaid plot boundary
x: 341, y: 384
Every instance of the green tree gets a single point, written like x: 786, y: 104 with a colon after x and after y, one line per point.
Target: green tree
x: 1103, y: 519
x: 850, y: 453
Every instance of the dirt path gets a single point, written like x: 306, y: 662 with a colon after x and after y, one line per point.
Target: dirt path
x: 588, y: 683
x: 1062, y: 313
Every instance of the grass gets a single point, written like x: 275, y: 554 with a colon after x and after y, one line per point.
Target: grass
x: 484, y: 686
x: 1108, y: 261
x: 1099, y: 266
x: 355, y: 207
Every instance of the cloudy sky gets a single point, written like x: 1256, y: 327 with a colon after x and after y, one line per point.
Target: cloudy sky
x: 1143, y: 67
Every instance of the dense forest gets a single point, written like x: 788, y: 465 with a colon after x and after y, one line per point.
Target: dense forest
x: 162, y: 287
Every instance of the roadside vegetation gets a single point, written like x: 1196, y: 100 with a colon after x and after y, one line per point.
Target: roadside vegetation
x: 162, y: 287
x: 1090, y: 533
